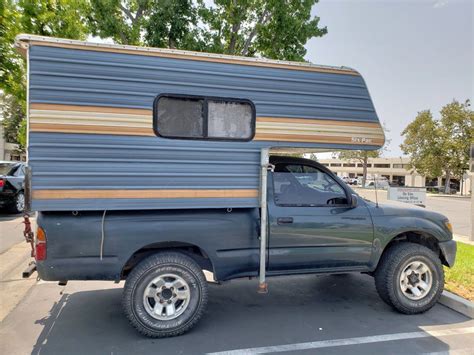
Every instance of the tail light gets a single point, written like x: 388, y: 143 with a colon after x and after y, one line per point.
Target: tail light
x: 2, y: 183
x: 40, y: 251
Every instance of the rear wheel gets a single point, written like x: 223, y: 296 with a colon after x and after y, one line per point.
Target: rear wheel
x: 18, y: 205
x: 165, y: 295
x: 410, y: 278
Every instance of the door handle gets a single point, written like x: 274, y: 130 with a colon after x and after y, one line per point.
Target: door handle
x: 285, y: 220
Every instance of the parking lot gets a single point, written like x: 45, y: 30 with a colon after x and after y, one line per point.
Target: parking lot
x: 303, y: 314
x: 332, y: 312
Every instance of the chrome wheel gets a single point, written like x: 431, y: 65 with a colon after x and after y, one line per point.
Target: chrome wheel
x: 20, y: 202
x: 416, y: 280
x: 166, y: 297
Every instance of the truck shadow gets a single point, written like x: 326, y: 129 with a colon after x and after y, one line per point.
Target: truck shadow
x: 296, y: 309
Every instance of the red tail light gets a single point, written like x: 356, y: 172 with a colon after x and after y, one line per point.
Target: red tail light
x: 2, y: 183
x: 40, y: 252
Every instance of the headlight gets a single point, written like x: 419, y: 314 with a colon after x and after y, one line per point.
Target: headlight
x: 449, y: 226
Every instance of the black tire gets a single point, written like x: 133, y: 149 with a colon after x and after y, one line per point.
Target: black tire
x: 18, y: 205
x: 138, y: 280
x: 390, y: 268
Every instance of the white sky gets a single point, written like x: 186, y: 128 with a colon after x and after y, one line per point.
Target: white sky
x: 413, y: 54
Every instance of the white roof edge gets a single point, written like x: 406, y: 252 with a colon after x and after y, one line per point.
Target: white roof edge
x: 27, y: 38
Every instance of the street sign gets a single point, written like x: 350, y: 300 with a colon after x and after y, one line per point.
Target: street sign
x: 413, y: 195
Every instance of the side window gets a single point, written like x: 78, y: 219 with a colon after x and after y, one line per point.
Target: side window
x: 303, y: 185
x: 193, y: 117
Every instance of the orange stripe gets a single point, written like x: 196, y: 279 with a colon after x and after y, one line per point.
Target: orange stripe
x: 197, y: 57
x: 91, y: 129
x: 103, y: 109
x: 317, y: 121
x: 145, y: 194
x: 313, y: 139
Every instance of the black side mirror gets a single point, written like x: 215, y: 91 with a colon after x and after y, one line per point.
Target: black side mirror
x: 353, y: 201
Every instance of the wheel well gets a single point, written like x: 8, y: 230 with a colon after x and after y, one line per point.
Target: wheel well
x: 421, y: 238
x: 193, y: 251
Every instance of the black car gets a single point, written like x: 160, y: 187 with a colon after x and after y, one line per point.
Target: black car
x: 12, y: 182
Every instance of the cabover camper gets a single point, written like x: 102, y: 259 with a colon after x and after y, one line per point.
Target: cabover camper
x: 151, y: 165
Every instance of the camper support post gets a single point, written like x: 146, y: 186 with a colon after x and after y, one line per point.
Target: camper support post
x: 264, y: 161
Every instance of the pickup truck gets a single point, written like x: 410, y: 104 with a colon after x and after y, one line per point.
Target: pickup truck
x: 316, y: 224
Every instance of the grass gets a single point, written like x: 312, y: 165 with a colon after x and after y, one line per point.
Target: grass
x: 460, y: 278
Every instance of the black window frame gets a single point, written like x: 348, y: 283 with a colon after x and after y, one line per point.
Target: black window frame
x: 332, y: 176
x: 205, y: 117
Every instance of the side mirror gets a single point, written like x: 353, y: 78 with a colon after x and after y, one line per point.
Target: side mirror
x: 353, y: 201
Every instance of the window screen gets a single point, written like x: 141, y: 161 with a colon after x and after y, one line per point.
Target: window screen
x: 193, y: 117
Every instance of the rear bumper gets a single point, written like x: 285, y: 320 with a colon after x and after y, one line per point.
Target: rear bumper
x: 448, y: 250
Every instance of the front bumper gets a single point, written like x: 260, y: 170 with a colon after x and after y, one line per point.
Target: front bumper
x: 448, y: 251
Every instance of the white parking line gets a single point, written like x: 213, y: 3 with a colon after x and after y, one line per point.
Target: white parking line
x: 347, y: 341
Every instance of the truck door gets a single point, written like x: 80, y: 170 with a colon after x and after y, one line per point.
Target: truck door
x: 311, y: 223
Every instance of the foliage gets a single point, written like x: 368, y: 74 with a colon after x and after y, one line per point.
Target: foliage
x: 60, y: 18
x: 275, y: 29
x: 460, y: 278
x: 13, y: 115
x: 441, y: 146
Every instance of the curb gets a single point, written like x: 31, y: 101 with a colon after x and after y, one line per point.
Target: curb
x: 457, y: 303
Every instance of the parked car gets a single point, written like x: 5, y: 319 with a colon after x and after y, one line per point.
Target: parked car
x: 381, y: 184
x: 12, y: 180
x: 440, y: 189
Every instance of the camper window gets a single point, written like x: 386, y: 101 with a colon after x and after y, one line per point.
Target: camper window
x: 193, y: 117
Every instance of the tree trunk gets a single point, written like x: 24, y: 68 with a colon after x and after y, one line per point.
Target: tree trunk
x: 447, y: 184
x: 364, y: 171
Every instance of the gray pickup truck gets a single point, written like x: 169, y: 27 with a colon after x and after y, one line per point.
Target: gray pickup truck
x: 316, y: 224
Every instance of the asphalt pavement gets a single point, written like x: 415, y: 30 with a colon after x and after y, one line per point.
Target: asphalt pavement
x: 303, y: 314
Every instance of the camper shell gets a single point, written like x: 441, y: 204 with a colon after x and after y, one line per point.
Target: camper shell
x: 151, y: 165
x: 93, y: 142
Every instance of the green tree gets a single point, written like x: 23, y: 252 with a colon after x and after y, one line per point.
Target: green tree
x: 60, y: 18
x: 438, y: 147
x: 276, y: 29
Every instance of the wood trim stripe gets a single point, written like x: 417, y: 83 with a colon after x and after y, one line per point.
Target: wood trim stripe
x: 91, y: 129
x: 316, y: 121
x: 318, y: 139
x: 142, y: 194
x: 104, y: 109
x: 153, y: 52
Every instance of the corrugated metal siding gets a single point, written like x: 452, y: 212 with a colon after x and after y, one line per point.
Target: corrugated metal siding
x: 116, y: 162
x: 81, y: 77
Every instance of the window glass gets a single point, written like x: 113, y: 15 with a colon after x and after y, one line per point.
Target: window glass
x: 180, y: 117
x: 20, y: 172
x: 204, y: 118
x: 229, y: 120
x: 303, y: 185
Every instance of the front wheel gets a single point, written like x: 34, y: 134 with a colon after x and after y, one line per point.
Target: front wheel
x: 165, y: 295
x: 410, y: 278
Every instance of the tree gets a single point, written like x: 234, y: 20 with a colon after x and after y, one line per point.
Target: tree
x: 60, y: 18
x: 361, y: 156
x: 438, y: 147
x: 276, y: 29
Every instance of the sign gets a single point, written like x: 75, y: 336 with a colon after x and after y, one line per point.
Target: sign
x: 413, y: 195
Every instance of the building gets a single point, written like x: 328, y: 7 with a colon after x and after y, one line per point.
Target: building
x: 8, y: 151
x: 396, y: 170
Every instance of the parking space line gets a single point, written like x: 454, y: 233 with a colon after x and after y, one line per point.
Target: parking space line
x: 347, y: 341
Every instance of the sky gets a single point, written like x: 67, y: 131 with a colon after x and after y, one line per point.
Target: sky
x: 413, y: 54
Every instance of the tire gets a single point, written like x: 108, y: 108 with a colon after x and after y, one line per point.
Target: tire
x: 421, y: 289
x: 18, y: 205
x: 161, y: 275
